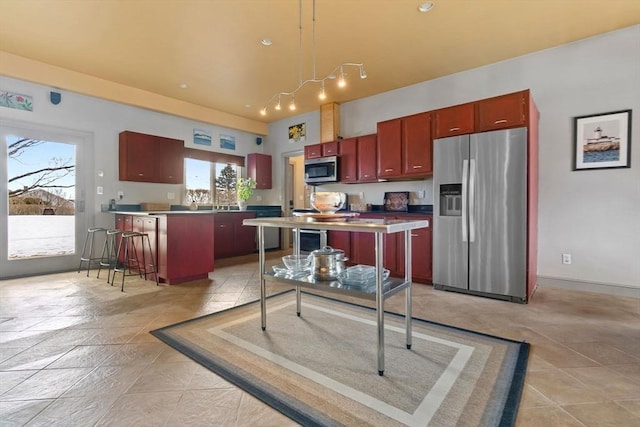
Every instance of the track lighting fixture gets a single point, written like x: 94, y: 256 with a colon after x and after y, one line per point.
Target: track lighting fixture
x: 337, y: 71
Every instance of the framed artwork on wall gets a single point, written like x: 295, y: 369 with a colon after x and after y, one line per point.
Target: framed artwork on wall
x: 602, y: 141
x: 298, y: 133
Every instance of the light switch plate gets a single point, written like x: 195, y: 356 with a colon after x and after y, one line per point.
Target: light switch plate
x: 100, y: 189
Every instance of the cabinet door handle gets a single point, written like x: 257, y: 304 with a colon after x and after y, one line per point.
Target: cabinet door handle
x: 500, y: 121
x: 417, y: 167
x: 414, y: 235
x: 140, y: 174
x: 453, y: 129
x: 388, y: 170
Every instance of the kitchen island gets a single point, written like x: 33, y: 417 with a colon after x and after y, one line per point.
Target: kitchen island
x: 184, y: 241
x: 383, y: 289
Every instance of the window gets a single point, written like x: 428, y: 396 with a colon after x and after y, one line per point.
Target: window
x: 210, y: 183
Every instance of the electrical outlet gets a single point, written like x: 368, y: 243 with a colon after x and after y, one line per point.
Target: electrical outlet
x: 259, y: 198
x: 566, y: 258
x: 120, y: 195
x: 170, y: 196
x: 421, y: 194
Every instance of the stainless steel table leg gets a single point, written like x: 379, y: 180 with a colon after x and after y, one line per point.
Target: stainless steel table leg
x: 296, y: 251
x: 407, y: 277
x: 263, y: 285
x: 380, y: 301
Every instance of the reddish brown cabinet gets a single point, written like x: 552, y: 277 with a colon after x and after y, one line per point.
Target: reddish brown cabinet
x: 231, y: 238
x: 452, y: 121
x: 363, y: 249
x: 150, y: 158
x: 389, y: 156
x: 182, y: 243
x: 417, y: 145
x: 313, y: 151
x: 148, y: 226
x: 502, y: 112
x: 340, y: 240
x: 330, y: 148
x: 367, y: 149
x: 348, y: 160
x: 185, y: 247
x: 405, y: 147
x: 259, y: 168
x: 421, y: 251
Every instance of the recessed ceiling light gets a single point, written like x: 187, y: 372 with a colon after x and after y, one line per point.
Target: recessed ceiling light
x: 426, y: 6
x: 266, y: 42
x: 247, y: 105
x: 183, y: 85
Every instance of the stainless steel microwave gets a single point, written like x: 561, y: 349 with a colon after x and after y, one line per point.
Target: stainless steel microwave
x: 321, y: 169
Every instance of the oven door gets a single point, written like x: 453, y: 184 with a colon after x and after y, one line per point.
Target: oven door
x: 310, y: 240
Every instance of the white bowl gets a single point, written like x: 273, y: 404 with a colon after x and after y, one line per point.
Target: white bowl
x: 328, y: 201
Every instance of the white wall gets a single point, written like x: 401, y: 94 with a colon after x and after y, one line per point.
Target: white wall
x: 105, y: 120
x: 593, y: 214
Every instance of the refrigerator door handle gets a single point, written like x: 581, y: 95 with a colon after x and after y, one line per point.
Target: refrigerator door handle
x: 472, y: 200
x: 465, y: 169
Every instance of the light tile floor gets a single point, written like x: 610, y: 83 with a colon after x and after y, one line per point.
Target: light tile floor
x: 75, y: 351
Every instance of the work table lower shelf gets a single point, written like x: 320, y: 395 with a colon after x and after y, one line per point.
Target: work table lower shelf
x: 390, y: 286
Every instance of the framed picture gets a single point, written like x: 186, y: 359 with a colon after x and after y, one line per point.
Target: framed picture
x: 201, y: 137
x: 602, y: 141
x: 227, y: 142
x: 298, y: 133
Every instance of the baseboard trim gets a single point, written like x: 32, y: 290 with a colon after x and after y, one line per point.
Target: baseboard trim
x: 578, y: 285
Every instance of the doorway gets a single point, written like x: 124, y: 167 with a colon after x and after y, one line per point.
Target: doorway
x: 43, y: 215
x: 294, y: 189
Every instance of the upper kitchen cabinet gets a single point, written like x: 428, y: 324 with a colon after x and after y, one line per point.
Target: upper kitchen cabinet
x: 150, y: 158
x: 348, y: 160
x: 417, y: 145
x: 502, y: 112
x: 259, y: 168
x: 326, y: 149
x: 312, y: 151
x: 405, y: 147
x: 367, y: 149
x: 452, y: 121
x: 389, y: 148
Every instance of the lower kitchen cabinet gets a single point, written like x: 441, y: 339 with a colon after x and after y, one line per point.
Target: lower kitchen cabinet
x: 231, y: 238
x: 340, y: 240
x: 421, y: 251
x: 363, y: 248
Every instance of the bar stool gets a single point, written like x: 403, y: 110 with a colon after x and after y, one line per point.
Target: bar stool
x: 89, y: 239
x: 130, y: 250
x: 108, y: 258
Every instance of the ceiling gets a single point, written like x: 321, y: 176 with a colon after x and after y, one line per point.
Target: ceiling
x: 214, y: 46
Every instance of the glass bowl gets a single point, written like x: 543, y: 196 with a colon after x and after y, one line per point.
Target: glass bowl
x: 328, y: 201
x: 297, y: 262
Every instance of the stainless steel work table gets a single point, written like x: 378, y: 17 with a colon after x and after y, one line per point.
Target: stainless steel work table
x: 383, y: 288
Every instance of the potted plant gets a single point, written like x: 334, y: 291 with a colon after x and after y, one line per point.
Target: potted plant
x: 245, y: 191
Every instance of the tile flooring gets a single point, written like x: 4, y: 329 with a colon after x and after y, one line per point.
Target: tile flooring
x: 75, y: 351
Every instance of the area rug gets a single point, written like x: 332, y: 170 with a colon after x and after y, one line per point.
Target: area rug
x: 320, y: 369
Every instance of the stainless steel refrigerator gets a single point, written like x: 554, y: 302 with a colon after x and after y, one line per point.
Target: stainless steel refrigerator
x: 480, y: 214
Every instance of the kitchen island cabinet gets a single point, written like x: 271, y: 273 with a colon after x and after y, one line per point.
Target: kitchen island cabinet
x: 185, y: 247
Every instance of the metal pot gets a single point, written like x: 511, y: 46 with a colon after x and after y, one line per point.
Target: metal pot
x: 327, y: 263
